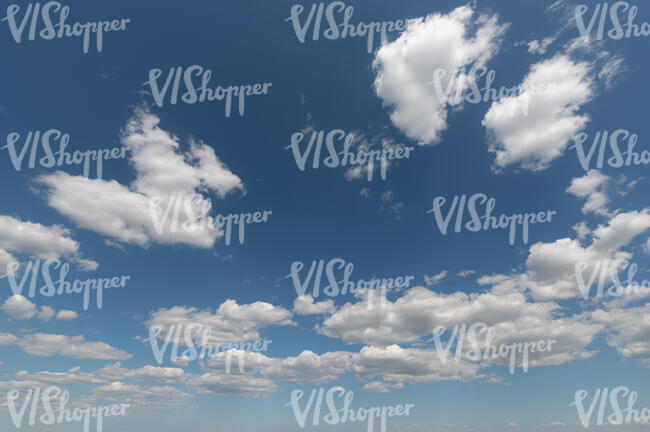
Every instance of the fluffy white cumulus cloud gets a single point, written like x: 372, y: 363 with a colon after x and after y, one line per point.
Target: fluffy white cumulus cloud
x: 306, y: 367
x: 37, y: 241
x: 6, y: 258
x: 8, y: 339
x: 621, y: 229
x: 382, y: 323
x: 46, y: 313
x: 238, y: 361
x: 396, y: 364
x: 309, y: 367
x: 438, y: 42
x: 379, y: 321
x: 19, y: 307
x: 304, y: 305
x: 591, y: 186
x: 630, y: 328
x: 566, y: 339
x: 551, y: 267
x: 230, y: 323
x: 66, y: 315
x: 166, y: 177
x: 534, y: 127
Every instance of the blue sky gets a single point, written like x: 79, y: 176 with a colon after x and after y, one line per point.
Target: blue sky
x: 242, y: 165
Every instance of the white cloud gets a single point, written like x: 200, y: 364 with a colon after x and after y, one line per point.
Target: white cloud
x: 115, y: 372
x: 304, y: 305
x: 553, y: 92
x: 8, y: 339
x: 551, y: 266
x: 239, y: 361
x: 106, y: 375
x: 582, y: 230
x: 306, y: 367
x: 66, y: 315
x: 591, y: 186
x: 621, y: 229
x: 381, y: 323
x: 630, y: 329
x: 582, y: 43
x: 163, y: 172
x: 554, y: 423
x: 381, y: 386
x: 19, y: 307
x: 224, y: 385
x: 363, y: 143
x: 413, y: 365
x: 388, y: 203
x: 38, y: 241
x: 140, y: 396
x: 406, y: 66
x: 613, y: 67
x: 537, y: 47
x: 46, y: 313
x: 69, y: 377
x: 432, y: 280
x: 309, y: 367
x: 47, y: 345
x: 6, y: 258
x: 230, y: 323
x: 19, y: 385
